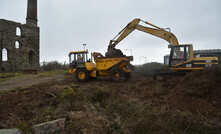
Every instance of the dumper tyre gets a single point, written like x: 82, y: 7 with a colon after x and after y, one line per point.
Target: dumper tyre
x: 117, y: 74
x: 82, y: 75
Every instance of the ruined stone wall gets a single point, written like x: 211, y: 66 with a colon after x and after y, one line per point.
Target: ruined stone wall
x: 24, y: 54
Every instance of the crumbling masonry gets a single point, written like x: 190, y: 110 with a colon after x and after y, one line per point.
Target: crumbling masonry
x: 19, y: 43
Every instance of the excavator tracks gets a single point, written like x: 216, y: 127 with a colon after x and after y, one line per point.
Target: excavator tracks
x: 167, y: 75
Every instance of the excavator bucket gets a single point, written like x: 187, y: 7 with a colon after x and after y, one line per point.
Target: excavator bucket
x: 113, y: 52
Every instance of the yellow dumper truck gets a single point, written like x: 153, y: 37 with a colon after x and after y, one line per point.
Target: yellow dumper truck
x: 85, y: 69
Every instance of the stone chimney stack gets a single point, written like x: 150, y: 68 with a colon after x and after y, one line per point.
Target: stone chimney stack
x: 32, y: 13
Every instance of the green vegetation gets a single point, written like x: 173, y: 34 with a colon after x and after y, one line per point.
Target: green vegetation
x: 142, y: 106
x: 24, y: 127
x: 49, y: 73
x: 53, y: 65
x: 7, y: 76
x: 2, y: 92
x: 100, y: 110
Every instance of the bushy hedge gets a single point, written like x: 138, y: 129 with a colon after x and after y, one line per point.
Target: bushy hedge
x: 53, y: 65
x: 149, y: 69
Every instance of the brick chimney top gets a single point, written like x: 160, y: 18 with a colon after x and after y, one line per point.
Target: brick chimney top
x: 32, y: 13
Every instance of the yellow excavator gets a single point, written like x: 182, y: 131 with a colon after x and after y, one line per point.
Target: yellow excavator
x: 117, y: 65
x: 181, y: 56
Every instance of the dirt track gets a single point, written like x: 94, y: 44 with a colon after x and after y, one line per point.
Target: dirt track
x: 27, y: 81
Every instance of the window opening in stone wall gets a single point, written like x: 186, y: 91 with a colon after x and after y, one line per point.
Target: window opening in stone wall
x: 4, y: 54
x: 17, y: 44
x: 31, y: 57
x: 18, y: 31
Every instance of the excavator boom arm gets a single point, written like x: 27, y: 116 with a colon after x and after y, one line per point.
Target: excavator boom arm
x: 157, y: 31
x: 161, y: 33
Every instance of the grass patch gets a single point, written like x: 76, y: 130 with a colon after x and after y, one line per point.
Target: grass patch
x: 3, y: 92
x: 7, y: 76
x: 49, y: 73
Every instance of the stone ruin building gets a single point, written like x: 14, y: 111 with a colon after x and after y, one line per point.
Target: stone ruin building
x: 19, y: 43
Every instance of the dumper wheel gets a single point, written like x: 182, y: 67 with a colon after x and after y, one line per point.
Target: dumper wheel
x: 82, y: 75
x: 117, y: 74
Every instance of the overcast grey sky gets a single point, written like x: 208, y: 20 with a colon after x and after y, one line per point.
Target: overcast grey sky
x: 67, y: 24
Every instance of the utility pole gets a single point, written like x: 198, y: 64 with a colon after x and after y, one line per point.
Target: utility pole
x: 84, y: 46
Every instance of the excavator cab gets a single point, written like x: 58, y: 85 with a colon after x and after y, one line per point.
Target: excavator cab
x: 180, y: 54
x: 182, y: 59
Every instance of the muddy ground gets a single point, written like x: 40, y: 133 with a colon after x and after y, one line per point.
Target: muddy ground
x: 139, y: 105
